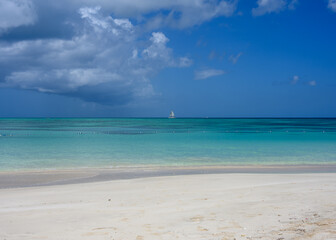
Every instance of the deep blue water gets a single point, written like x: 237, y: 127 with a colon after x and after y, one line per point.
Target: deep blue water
x: 111, y: 142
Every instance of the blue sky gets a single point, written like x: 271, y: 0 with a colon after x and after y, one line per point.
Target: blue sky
x: 260, y: 58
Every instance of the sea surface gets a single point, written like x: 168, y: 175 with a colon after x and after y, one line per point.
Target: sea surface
x: 54, y: 143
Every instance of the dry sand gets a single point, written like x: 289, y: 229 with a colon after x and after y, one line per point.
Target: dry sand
x: 208, y: 206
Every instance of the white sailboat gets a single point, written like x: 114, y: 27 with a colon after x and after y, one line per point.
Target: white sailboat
x: 171, y: 115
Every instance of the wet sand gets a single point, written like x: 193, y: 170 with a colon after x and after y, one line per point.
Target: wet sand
x: 30, y: 178
x: 187, y: 206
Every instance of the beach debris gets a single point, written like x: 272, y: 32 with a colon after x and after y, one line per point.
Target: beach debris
x: 202, y: 229
x: 300, y: 230
x: 197, y: 218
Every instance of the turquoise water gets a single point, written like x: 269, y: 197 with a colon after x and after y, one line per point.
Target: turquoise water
x: 102, y: 142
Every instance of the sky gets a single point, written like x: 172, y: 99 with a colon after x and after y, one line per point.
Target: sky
x: 199, y: 58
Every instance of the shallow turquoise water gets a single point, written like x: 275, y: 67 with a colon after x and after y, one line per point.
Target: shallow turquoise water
x: 102, y: 142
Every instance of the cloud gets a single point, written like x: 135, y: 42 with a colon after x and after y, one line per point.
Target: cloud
x: 293, y: 4
x: 108, y: 61
x: 131, y: 8
x: 296, y: 80
x: 158, y: 48
x: 185, y: 62
x: 184, y: 13
x: 14, y: 13
x: 234, y: 59
x: 270, y: 6
x: 56, y: 18
x: 172, y: 13
x: 105, y: 54
x: 214, y: 55
x: 332, y: 5
x: 204, y: 74
x: 312, y: 83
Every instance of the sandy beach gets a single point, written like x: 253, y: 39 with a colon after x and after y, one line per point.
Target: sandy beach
x: 195, y: 206
x: 167, y: 120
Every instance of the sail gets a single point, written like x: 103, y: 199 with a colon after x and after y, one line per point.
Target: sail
x: 171, y: 115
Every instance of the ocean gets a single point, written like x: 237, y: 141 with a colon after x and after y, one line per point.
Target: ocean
x: 60, y: 143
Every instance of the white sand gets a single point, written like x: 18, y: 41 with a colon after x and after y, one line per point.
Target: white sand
x: 222, y: 206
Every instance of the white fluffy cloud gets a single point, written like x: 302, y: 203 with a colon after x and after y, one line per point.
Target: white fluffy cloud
x: 104, y: 54
x: 14, y: 13
x: 204, y: 74
x: 151, y: 14
x: 187, y: 13
x: 173, y: 13
x: 158, y: 48
x: 332, y: 5
x: 104, y: 62
x: 130, y: 7
x: 269, y: 6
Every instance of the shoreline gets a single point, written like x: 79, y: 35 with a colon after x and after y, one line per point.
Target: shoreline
x: 35, y: 178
